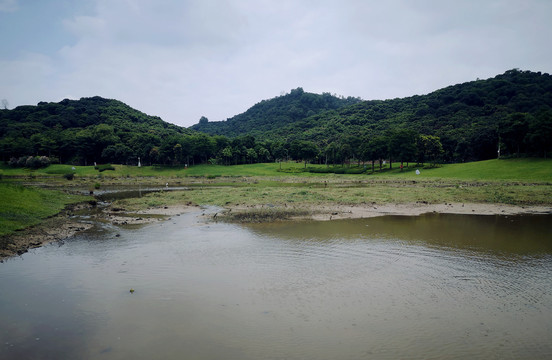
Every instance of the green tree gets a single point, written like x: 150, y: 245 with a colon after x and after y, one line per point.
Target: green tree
x: 227, y: 154
x: 104, y: 135
x: 154, y: 155
x: 428, y: 147
x: 263, y: 153
x: 43, y: 144
x: 307, y: 151
x: 512, y: 132
x: 251, y: 155
x: 178, y: 153
x: 375, y: 149
x: 539, y: 135
x: 402, y: 145
x: 85, y: 146
x: 117, y: 154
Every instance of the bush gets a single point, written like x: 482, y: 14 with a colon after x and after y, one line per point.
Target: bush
x: 337, y: 170
x: 69, y: 176
x: 355, y: 171
x: 291, y: 170
x: 37, y: 162
x: 325, y: 170
x: 104, y: 167
x: 31, y: 162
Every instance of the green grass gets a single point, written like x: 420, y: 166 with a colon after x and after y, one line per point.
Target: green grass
x: 312, y: 194
x: 520, y: 170
x: 528, y: 170
x: 21, y: 206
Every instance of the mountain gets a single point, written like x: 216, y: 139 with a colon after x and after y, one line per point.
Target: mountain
x: 79, y: 131
x: 274, y: 113
x: 471, y: 119
x: 464, y: 122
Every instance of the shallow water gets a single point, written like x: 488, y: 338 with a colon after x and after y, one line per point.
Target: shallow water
x: 433, y: 286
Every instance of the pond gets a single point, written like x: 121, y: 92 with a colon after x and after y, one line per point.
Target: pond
x: 432, y: 286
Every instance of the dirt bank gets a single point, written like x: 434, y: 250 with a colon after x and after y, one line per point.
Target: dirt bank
x: 414, y: 209
x: 66, y: 225
x: 335, y: 212
x: 56, y: 228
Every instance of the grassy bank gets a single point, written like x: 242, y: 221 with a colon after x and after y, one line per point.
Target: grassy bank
x: 521, y: 170
x: 315, y: 193
x: 22, y: 207
x: 515, y: 181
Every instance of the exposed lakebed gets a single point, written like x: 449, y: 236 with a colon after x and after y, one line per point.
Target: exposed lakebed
x: 431, y: 286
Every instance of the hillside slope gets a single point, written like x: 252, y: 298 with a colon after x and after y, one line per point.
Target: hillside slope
x: 274, y: 113
x: 514, y: 108
x: 79, y: 131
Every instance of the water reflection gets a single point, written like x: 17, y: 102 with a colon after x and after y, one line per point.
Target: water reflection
x: 435, y: 286
x: 521, y: 235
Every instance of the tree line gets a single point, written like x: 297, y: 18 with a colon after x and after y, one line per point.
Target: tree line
x: 103, y: 143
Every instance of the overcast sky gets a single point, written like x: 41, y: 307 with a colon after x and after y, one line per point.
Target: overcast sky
x: 183, y: 59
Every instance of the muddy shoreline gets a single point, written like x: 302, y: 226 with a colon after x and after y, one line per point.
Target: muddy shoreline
x: 67, y: 223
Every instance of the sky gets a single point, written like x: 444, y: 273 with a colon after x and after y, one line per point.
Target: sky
x: 184, y: 59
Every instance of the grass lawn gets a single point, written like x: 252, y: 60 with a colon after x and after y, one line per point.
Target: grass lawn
x: 521, y: 170
x: 524, y: 170
x: 21, y: 206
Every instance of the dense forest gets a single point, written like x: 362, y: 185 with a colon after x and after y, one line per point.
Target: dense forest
x: 511, y: 112
x: 275, y: 113
x: 82, y: 131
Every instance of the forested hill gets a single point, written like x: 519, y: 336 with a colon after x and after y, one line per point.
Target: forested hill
x: 82, y: 131
x: 471, y: 121
x: 274, y: 113
x: 514, y: 108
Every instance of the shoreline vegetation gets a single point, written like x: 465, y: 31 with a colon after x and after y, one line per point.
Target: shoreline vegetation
x: 32, y: 214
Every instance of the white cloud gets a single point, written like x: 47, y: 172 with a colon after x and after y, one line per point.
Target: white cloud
x: 184, y: 59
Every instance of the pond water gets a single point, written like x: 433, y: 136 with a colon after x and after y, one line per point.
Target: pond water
x: 433, y: 286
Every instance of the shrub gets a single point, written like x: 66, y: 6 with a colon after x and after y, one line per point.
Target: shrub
x: 325, y: 170
x: 69, y: 176
x: 291, y: 170
x: 32, y: 162
x: 337, y: 170
x: 104, y: 167
x: 37, y: 162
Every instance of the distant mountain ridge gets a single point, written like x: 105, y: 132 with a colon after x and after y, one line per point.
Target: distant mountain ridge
x: 271, y: 114
x: 470, y: 118
x: 472, y: 121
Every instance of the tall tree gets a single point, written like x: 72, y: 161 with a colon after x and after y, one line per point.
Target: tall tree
x: 402, y: 145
